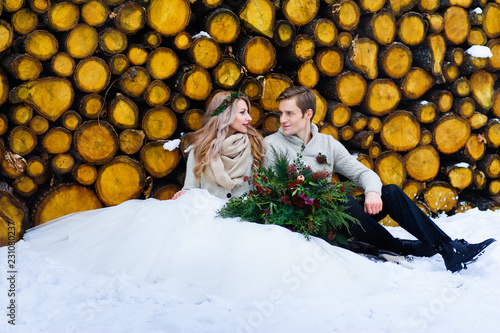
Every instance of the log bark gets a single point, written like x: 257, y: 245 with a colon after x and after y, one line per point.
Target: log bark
x: 134, y: 81
x: 295, y: 13
x: 38, y: 124
x: 252, y: 88
x: 41, y: 44
x: 62, y: 163
x: 440, y: 197
x: 22, y: 140
x: 275, y: 84
x: 168, y: 17
x: 396, y: 60
x: 157, y: 161
x: 193, y: 119
x: 183, y: 40
x: 12, y: 213
x: 228, y: 74
x: 24, y: 21
x: 338, y: 114
x: 330, y: 61
x: 25, y: 186
x: 400, y: 131
x: 323, y: 31
x: 112, y: 41
x: 99, y: 79
x: 92, y: 106
x: 284, y: 33
x: 205, y: 52
x: 118, y: 64
x: 63, y: 16
x: 413, y: 189
x: 223, y: 25
x: 382, y: 97
x: 416, y: 83
x: 412, y: 28
x: 57, y: 140
x: 130, y: 18
x: 63, y: 200
x: 159, y: 123
x: 94, y: 13
x: 451, y: 133
x: 21, y: 114
x: 492, y: 133
x: 157, y: 93
x: 166, y: 192
x: 120, y: 180
x: 381, y: 27
x: 23, y: 67
x: 51, y: 97
x: 491, y: 26
x: 258, y: 16
x: 131, y: 141
x: 346, y: 14
x: 96, y: 142
x: 390, y: 166
x: 482, y: 86
x: 348, y: 87
x: 85, y: 174
x: 62, y: 64
x: 456, y: 25
x: 460, y: 177
x: 123, y: 113
x: 196, y: 83
x: 137, y: 54
x: 425, y: 112
x: 363, y: 57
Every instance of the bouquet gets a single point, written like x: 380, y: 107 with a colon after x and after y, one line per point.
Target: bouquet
x: 293, y: 196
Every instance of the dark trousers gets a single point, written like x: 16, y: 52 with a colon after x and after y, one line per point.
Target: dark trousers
x: 401, y: 209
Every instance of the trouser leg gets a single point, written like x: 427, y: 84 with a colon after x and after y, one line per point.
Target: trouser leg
x: 369, y: 230
x: 411, y: 218
x: 404, y: 211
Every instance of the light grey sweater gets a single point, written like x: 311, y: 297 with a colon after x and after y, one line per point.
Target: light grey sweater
x: 191, y: 182
x: 336, y: 154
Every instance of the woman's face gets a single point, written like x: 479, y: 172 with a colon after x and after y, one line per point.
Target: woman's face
x: 242, y: 120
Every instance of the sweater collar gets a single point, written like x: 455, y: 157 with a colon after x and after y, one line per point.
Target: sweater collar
x: 295, y: 140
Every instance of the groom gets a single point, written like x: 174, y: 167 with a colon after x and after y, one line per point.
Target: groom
x: 297, y: 106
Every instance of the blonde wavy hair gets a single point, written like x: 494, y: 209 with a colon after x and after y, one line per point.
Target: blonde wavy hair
x: 207, y: 141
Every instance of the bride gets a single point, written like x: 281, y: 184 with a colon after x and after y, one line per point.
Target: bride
x: 152, y: 240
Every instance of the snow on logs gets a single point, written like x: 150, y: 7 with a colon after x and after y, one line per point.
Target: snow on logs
x: 89, y: 91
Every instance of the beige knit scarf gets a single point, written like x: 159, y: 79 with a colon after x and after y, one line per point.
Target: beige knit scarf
x: 228, y: 170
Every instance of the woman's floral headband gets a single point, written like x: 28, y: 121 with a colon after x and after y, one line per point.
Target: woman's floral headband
x: 228, y: 102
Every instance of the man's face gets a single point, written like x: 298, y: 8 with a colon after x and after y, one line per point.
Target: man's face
x: 291, y: 118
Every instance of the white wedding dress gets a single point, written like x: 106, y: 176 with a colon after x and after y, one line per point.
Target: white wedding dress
x: 151, y: 241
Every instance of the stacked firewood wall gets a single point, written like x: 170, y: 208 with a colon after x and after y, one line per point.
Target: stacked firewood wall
x: 90, y: 90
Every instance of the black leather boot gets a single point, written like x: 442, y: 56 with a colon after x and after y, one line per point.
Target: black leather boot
x: 458, y: 253
x: 416, y: 248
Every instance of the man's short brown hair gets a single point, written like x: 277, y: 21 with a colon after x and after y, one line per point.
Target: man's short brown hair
x: 304, y: 97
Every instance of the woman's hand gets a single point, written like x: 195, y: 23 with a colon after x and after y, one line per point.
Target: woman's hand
x: 373, y: 203
x: 178, y: 194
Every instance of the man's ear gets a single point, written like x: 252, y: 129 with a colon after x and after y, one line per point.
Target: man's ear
x: 309, y: 114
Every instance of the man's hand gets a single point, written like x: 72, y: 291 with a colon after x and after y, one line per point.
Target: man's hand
x: 373, y: 203
x: 178, y: 194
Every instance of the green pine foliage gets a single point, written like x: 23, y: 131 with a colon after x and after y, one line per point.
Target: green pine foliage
x: 293, y: 196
